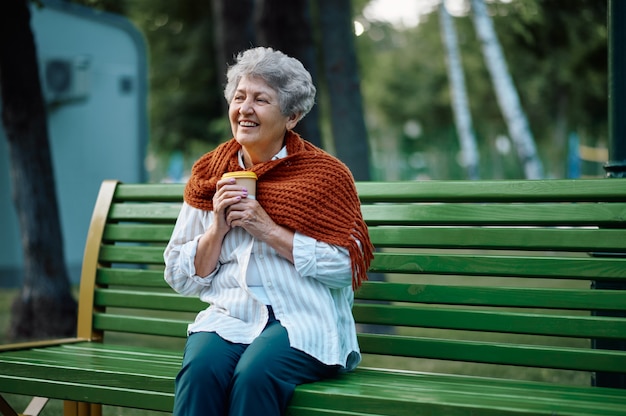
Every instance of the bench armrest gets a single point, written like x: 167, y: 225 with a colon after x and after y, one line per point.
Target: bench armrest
x: 40, y: 344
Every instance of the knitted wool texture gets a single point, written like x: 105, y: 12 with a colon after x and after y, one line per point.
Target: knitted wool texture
x: 308, y: 191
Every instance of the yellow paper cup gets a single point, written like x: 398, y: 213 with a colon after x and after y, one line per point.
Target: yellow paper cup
x: 245, y: 179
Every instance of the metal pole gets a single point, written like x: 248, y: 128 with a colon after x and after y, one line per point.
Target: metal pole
x: 616, y: 166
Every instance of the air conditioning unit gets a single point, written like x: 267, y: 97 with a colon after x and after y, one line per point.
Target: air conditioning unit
x: 65, y: 78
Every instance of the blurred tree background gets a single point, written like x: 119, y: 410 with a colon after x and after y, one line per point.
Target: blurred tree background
x: 556, y: 51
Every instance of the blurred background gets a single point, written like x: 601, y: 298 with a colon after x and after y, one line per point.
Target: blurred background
x: 555, y: 51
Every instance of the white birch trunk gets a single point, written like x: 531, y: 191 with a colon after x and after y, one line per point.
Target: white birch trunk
x: 506, y: 93
x: 458, y: 95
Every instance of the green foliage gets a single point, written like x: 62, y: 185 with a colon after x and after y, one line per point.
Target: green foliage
x: 184, y: 89
x: 556, y: 52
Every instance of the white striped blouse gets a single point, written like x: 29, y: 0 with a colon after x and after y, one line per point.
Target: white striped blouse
x: 312, y: 298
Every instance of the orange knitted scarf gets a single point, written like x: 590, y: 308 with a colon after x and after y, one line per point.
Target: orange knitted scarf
x: 308, y: 191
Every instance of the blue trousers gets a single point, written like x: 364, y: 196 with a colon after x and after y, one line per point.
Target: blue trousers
x: 222, y: 378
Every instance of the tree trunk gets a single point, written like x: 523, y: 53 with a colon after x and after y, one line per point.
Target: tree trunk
x: 506, y: 93
x: 340, y: 70
x: 458, y: 95
x: 286, y: 25
x: 45, y: 307
x: 234, y: 32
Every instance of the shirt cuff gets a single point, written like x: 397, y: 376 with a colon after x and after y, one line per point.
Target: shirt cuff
x: 188, y: 252
x: 304, y: 254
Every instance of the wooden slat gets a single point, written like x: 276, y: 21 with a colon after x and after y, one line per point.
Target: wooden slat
x: 159, y: 212
x: 579, y: 190
x: 495, y: 353
x: 514, y: 297
x: 549, y: 214
x: 511, y: 266
x: 136, y: 396
x: 491, y: 321
x: 140, y: 325
x: 122, y: 371
x: 147, y: 300
x: 477, y: 385
x: 125, y: 232
x: 423, y: 393
x: 553, y: 239
x: 150, y: 193
x: 452, y: 388
x: 124, y: 365
x: 126, y: 351
x: 131, y: 277
x: 132, y: 254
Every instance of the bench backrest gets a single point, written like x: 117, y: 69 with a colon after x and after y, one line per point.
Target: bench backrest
x: 515, y: 273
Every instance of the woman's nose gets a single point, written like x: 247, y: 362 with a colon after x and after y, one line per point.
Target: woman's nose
x: 246, y: 107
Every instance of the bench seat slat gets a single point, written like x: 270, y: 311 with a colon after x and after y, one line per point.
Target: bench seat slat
x: 495, y: 353
x: 139, y: 397
x: 161, y: 364
x: 576, y: 299
x: 138, y: 352
x: 474, y: 389
x: 491, y: 321
x: 119, y: 371
x: 382, y: 399
x: 468, y: 383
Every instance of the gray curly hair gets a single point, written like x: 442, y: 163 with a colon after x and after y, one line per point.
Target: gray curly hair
x: 286, y: 75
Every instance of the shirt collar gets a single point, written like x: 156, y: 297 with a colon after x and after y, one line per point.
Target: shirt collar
x: 281, y: 154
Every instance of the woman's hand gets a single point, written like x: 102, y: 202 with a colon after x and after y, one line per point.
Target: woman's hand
x: 210, y: 244
x: 250, y: 215
x: 227, y: 194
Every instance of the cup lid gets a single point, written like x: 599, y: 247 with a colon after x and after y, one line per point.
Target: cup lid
x: 240, y: 174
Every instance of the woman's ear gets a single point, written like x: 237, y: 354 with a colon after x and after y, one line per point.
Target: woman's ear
x: 293, y: 120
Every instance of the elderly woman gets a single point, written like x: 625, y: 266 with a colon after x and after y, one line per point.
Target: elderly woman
x: 277, y: 270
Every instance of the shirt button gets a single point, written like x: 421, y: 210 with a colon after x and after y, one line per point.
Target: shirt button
x: 261, y: 256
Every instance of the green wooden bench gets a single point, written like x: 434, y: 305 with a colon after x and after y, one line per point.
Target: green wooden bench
x: 490, y: 299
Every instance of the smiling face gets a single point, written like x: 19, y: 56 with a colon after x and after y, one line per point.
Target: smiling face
x: 256, y: 121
